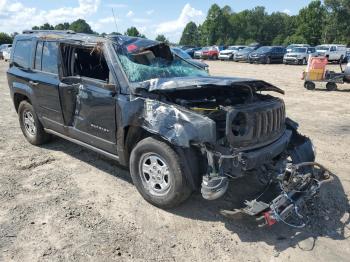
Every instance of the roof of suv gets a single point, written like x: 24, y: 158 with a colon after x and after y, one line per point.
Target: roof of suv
x: 81, y: 37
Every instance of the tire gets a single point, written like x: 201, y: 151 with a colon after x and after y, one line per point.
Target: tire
x: 309, y: 85
x: 341, y: 59
x: 214, y: 57
x: 331, y: 86
x: 268, y: 60
x: 31, y: 127
x: 158, y: 173
x: 304, y: 61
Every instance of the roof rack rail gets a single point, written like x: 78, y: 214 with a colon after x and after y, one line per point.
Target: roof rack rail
x: 48, y: 31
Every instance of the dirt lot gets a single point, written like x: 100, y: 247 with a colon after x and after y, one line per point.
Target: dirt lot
x: 62, y: 202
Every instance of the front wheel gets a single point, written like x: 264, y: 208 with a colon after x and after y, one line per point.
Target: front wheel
x: 157, y: 172
x: 31, y: 127
x: 309, y: 85
x: 268, y: 60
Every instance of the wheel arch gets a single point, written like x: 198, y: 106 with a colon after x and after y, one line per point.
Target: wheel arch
x: 134, y: 134
x: 18, y: 98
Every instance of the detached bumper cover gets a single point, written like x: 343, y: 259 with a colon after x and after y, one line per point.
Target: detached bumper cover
x: 258, y: 157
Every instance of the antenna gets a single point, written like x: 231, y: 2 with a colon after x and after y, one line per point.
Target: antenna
x: 115, y: 20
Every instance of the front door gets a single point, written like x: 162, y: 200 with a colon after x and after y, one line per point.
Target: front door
x: 89, y: 101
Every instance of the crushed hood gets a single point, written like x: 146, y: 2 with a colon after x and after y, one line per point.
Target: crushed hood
x: 168, y: 85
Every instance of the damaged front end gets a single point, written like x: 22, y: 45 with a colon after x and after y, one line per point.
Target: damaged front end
x: 237, y: 129
x: 254, y: 137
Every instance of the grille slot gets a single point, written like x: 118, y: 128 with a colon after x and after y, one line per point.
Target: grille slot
x: 266, y: 123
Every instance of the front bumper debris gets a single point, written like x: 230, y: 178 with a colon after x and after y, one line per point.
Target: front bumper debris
x: 299, y: 185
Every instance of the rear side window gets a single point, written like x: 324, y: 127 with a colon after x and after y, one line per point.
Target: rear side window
x: 21, y: 54
x: 38, y: 52
x: 49, y: 57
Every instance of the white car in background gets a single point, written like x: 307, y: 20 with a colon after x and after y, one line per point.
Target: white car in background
x: 229, y: 53
x: 332, y: 52
x: 290, y: 47
x: 2, y: 48
x: 6, y: 53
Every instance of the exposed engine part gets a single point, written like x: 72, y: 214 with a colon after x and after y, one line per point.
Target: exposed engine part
x: 214, y: 187
x: 297, y: 188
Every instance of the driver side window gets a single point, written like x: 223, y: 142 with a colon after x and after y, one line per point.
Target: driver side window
x: 85, y: 62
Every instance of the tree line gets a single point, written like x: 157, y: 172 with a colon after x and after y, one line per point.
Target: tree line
x: 79, y: 26
x: 317, y: 23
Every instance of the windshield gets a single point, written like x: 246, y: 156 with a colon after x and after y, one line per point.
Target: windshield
x: 263, y: 49
x: 146, y: 65
x: 298, y: 50
x: 181, y: 53
x: 247, y: 50
x: 232, y: 48
x: 325, y: 48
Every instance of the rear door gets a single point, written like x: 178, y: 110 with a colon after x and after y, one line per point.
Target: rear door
x: 333, y: 55
x: 45, y: 82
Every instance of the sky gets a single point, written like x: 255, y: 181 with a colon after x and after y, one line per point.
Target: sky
x: 151, y: 17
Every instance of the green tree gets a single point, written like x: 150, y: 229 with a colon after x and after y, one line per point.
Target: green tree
x: 80, y: 26
x: 190, y: 35
x: 162, y: 38
x: 5, y: 39
x: 337, y: 29
x: 294, y: 39
x: 46, y: 26
x: 62, y: 26
x: 215, y: 28
x: 132, y: 31
x: 311, y: 22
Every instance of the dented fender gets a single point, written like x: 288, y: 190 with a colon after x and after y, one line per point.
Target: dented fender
x: 173, y: 123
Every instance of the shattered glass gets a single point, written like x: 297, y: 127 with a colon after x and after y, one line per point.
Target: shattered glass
x: 156, y: 67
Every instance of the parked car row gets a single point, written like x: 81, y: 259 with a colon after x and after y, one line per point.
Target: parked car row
x: 5, y: 49
x: 255, y: 53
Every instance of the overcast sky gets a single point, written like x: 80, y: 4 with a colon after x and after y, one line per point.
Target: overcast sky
x: 151, y: 17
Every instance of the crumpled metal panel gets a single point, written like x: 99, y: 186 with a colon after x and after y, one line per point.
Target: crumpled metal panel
x: 184, y: 83
x: 175, y: 124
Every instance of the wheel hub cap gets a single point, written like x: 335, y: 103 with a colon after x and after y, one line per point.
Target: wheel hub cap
x: 29, y: 123
x: 155, y: 175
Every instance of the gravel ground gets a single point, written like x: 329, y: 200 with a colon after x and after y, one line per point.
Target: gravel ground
x: 62, y: 202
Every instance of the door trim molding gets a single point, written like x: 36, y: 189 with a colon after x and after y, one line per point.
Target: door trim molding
x: 97, y: 150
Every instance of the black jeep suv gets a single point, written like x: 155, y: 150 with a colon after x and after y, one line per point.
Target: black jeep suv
x: 177, y: 128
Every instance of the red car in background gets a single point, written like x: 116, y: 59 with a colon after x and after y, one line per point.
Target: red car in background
x: 211, y: 53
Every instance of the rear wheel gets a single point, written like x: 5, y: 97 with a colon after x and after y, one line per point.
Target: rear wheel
x: 309, y: 85
x: 158, y: 173
x: 31, y: 127
x: 331, y: 86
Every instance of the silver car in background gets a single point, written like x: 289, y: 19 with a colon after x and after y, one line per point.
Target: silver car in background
x: 198, y: 54
x: 229, y: 53
x: 299, y: 55
x: 243, y: 55
x: 290, y: 47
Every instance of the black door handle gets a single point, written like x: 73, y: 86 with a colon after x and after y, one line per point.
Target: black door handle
x: 33, y: 83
